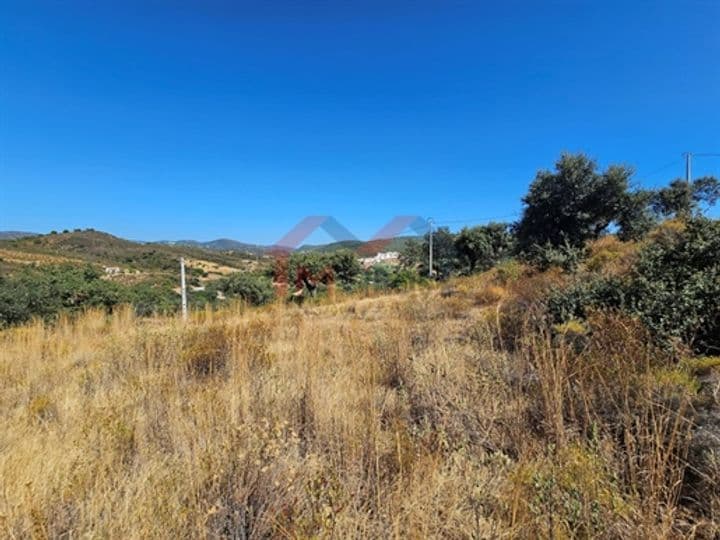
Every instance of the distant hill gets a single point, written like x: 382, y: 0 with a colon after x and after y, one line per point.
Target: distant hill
x: 368, y: 248
x: 97, y: 247
x: 221, y: 244
x: 18, y: 249
x: 364, y: 249
x: 13, y: 235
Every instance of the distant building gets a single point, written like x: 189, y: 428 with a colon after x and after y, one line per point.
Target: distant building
x: 387, y: 257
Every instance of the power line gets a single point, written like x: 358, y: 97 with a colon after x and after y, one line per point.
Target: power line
x: 663, y: 168
x: 473, y: 220
x: 673, y: 163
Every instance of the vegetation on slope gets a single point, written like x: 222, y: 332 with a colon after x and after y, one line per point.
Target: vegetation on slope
x: 97, y: 247
x: 402, y: 414
x: 556, y: 392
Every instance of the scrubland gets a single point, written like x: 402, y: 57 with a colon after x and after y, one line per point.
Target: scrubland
x: 452, y: 412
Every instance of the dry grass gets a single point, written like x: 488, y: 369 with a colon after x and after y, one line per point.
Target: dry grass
x: 610, y: 256
x: 396, y: 416
x: 21, y: 257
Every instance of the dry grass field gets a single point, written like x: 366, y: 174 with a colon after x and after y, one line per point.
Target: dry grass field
x: 403, y: 416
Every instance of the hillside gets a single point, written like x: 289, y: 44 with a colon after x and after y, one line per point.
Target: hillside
x: 411, y: 412
x: 13, y: 235
x: 220, y: 244
x: 366, y: 248
x: 96, y: 247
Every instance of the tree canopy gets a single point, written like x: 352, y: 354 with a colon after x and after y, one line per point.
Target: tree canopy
x: 573, y: 204
x: 479, y: 248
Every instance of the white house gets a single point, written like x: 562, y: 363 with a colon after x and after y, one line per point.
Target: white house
x: 388, y: 257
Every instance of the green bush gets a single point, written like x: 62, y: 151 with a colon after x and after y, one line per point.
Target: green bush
x: 384, y: 276
x: 45, y: 292
x: 252, y: 288
x: 673, y: 288
x: 343, y: 264
x: 573, y: 302
x: 153, y: 298
x: 564, y: 256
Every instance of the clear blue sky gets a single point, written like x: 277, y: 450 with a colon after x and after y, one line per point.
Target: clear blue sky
x: 178, y: 119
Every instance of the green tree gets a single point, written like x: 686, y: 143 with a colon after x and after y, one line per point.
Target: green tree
x: 482, y: 247
x: 446, y: 260
x: 684, y: 200
x: 345, y: 265
x: 252, y: 288
x: 573, y: 204
x: 637, y: 216
x: 46, y: 291
x: 412, y: 254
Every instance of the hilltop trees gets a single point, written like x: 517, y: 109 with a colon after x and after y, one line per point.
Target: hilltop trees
x: 682, y: 199
x: 571, y: 205
x: 636, y: 216
x: 576, y: 203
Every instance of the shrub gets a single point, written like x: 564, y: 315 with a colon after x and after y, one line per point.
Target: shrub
x: 610, y: 256
x: 45, y: 292
x: 574, y: 301
x: 570, y: 495
x: 253, y: 289
x: 509, y: 271
x: 563, y: 256
x: 153, y: 298
x: 675, y: 287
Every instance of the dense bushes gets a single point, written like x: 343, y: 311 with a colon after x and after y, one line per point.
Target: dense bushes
x: 47, y: 291
x: 574, y: 301
x: 44, y: 293
x: 384, y: 276
x: 251, y: 288
x: 674, y: 287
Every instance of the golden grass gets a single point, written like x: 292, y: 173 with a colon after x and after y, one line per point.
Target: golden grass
x: 391, y: 416
x: 609, y: 256
x: 21, y: 257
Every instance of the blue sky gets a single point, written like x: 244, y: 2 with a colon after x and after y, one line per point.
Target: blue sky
x: 167, y: 120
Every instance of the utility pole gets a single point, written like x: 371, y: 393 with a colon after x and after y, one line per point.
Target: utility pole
x: 688, y: 167
x: 183, y: 289
x: 430, y: 253
x: 688, y: 162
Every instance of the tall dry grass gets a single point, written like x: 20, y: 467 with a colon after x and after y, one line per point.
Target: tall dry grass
x: 401, y: 416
